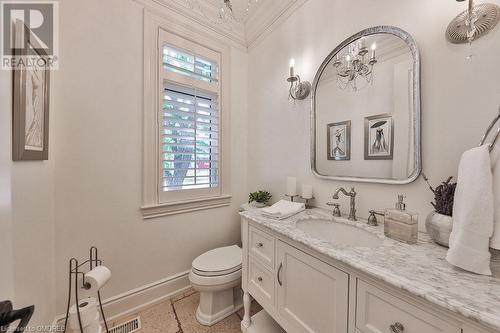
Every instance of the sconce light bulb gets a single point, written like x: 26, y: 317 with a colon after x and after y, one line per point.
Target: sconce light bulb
x: 374, y: 46
x: 362, y: 42
x: 292, y: 64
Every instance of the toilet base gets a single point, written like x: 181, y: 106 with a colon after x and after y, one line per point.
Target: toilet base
x: 215, y: 306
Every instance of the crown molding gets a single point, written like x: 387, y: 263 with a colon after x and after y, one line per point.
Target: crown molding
x: 234, y: 31
x: 267, y: 17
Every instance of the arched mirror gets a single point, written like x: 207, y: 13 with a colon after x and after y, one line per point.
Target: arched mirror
x: 366, y: 109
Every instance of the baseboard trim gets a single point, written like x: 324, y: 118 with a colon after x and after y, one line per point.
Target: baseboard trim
x: 134, y: 300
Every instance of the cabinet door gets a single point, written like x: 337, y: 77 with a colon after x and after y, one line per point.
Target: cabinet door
x: 312, y: 295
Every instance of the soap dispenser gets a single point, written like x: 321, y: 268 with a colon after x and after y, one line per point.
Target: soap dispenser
x: 400, y: 224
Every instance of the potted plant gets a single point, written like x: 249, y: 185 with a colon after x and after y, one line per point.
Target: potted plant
x: 259, y: 199
x: 439, y: 222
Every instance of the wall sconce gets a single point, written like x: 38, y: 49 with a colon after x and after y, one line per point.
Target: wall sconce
x: 298, y: 90
x: 473, y: 23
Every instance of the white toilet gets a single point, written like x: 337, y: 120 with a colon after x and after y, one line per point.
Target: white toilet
x: 216, y: 274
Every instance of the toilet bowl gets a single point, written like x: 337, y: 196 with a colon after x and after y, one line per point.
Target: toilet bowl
x: 216, y: 274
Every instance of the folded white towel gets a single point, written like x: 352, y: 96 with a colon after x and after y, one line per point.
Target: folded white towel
x: 473, y: 213
x: 283, y: 209
x: 495, y: 167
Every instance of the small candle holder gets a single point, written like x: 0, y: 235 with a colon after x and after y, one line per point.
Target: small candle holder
x: 307, y: 200
x: 291, y: 196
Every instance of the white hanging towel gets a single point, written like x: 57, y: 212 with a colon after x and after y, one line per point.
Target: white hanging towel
x: 473, y: 213
x: 495, y: 168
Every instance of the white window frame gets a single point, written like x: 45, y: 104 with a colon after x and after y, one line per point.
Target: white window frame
x: 156, y: 203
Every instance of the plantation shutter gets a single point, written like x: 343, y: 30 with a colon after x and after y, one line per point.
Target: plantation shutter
x: 189, y: 117
x: 190, y: 138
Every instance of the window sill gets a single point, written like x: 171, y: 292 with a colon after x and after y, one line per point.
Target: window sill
x: 181, y: 207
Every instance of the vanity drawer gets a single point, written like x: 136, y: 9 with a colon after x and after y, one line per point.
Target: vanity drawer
x: 261, y: 246
x: 377, y: 311
x: 261, y: 283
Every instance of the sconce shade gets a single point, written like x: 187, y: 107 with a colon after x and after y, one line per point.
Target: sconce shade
x: 487, y: 16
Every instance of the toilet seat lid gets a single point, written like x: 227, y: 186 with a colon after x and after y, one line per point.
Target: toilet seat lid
x: 223, y: 260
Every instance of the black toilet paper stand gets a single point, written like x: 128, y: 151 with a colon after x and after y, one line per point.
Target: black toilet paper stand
x: 74, y: 272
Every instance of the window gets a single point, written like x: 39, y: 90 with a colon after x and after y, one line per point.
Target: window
x: 190, y: 122
x: 182, y: 62
x: 185, y: 121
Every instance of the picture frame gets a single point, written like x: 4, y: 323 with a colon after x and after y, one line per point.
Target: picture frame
x: 30, y: 109
x: 339, y: 141
x: 379, y: 137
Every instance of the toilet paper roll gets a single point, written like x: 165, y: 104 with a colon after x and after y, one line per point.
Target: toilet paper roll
x: 98, y: 277
x: 88, y: 313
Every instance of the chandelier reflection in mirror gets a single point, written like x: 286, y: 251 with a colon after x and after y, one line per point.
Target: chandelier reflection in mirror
x: 355, y: 67
x: 226, y: 12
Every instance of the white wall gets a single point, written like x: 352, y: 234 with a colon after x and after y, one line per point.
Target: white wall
x: 99, y: 99
x: 459, y: 97
x: 89, y: 192
x: 26, y: 222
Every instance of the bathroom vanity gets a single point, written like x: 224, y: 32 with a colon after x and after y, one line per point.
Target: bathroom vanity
x: 318, y: 273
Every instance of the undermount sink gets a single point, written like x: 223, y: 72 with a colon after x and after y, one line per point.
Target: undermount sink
x: 339, y: 233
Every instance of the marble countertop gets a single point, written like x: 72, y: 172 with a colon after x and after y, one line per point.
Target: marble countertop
x: 420, y: 269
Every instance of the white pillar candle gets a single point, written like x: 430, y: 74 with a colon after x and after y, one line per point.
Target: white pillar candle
x: 307, y: 191
x: 374, y: 47
x: 362, y: 43
x: 291, y: 186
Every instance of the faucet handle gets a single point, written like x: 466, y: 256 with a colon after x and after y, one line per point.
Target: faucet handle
x: 372, y: 219
x: 336, y: 209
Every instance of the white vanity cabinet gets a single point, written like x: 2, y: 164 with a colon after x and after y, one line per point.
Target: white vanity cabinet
x: 312, y: 296
x: 307, y: 294
x: 304, y: 291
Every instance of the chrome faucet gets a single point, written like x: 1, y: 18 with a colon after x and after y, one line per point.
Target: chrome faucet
x: 336, y: 209
x: 352, y: 195
x: 372, y: 219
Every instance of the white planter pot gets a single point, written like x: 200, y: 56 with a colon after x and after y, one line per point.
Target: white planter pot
x: 439, y: 227
x: 257, y: 204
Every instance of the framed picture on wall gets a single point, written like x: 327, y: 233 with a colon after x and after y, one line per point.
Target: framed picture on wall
x: 30, y: 112
x: 339, y: 141
x: 379, y: 137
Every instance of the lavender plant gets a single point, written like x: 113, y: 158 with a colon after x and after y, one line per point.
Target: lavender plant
x: 443, y: 196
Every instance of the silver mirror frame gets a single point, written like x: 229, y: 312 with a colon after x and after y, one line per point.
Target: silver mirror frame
x: 408, y: 39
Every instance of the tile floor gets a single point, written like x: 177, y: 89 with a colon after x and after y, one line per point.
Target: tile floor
x: 177, y: 315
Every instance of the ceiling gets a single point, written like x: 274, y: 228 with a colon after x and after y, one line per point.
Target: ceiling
x: 239, y: 6
x: 264, y: 15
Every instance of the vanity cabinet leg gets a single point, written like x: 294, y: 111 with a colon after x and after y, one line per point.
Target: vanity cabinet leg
x: 247, y: 302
